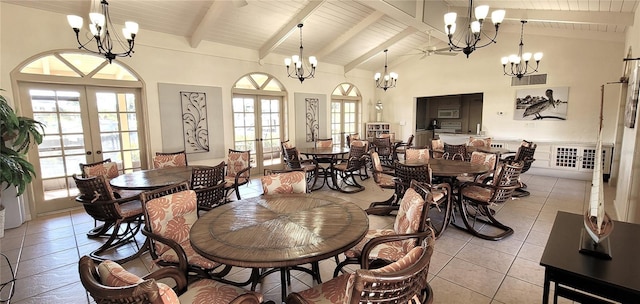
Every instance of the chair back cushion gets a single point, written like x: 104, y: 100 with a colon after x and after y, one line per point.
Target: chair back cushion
x: 236, y: 162
x: 170, y: 160
x: 410, y: 213
x: 405, y: 262
x: 324, y: 143
x: 172, y: 216
x: 108, y: 170
x: 482, y: 158
x: 417, y: 154
x: 437, y: 144
x: 479, y: 142
x: 286, y: 182
x: 113, y: 275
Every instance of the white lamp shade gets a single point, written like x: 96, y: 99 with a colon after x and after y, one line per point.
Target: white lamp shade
x: 450, y: 31
x: 126, y: 34
x: 313, y: 61
x: 526, y: 56
x: 482, y: 11
x: 537, y: 56
x: 394, y: 76
x: 97, y: 18
x: 497, y: 16
x: 475, y: 27
x: 75, y: 21
x: 93, y: 29
x: 295, y: 59
x: 504, y: 60
x: 376, y: 77
x: 450, y: 18
x: 386, y: 77
x: 132, y: 27
x: 514, y: 59
x: 287, y: 62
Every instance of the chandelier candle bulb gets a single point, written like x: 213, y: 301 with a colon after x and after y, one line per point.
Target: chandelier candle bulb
x: 469, y: 40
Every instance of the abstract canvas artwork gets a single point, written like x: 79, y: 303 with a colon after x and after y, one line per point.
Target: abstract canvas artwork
x: 542, y: 104
x: 631, y: 108
x: 312, y: 106
x: 194, y: 121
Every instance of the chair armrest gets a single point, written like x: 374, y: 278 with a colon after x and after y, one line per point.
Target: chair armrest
x: 182, y: 256
x: 239, y: 173
x: 246, y: 298
x: 171, y: 272
x: 364, y: 264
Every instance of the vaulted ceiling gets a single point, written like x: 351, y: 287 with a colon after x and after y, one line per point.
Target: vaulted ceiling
x: 352, y: 34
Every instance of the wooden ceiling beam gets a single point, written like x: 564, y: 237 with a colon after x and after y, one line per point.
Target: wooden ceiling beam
x: 215, y: 10
x: 378, y: 49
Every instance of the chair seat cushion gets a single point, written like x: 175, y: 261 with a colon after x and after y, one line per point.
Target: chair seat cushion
x: 438, y: 194
x: 230, y: 182
x: 193, y: 257
x: 213, y: 292
x: 112, y: 274
x: 336, y: 290
x: 477, y: 193
x: 390, y: 251
x: 132, y: 208
x: 386, y: 181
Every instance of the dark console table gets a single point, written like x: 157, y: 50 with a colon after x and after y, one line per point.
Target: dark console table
x: 616, y: 279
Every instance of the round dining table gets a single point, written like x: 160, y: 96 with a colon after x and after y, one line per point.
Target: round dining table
x: 324, y: 156
x: 279, y: 232
x: 152, y: 179
x: 447, y: 167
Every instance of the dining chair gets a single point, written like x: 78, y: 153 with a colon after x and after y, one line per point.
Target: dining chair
x: 169, y: 213
x: 402, y: 281
x: 455, y: 152
x: 475, y: 198
x: 122, y: 217
x: 390, y: 245
x: 437, y: 148
x: 479, y: 142
x: 364, y: 174
x: 351, y: 137
x: 401, y: 147
x: 324, y: 143
x: 208, y: 183
x: 384, y: 178
x: 170, y: 159
x: 524, y: 154
x: 293, y: 161
x: 480, y: 158
x: 382, y: 145
x: 284, y: 183
x: 109, y: 282
x: 238, y: 171
x: 346, y: 169
x: 417, y: 154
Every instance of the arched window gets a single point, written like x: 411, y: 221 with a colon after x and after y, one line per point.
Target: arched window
x: 258, y: 119
x: 345, y: 112
x: 91, y: 110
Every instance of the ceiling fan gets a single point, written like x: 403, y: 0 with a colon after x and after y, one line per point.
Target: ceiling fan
x: 432, y: 49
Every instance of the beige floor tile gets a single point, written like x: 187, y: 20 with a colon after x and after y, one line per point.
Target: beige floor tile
x: 531, y: 252
x: 446, y: 292
x: 486, y: 257
x: 514, y: 291
x: 477, y: 278
x: 528, y: 271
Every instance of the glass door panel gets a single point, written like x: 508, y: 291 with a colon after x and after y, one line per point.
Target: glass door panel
x: 343, y: 120
x: 271, y: 130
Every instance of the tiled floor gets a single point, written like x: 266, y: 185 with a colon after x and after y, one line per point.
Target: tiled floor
x: 464, y: 269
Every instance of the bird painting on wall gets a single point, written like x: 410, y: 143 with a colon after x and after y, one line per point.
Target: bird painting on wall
x: 536, y: 107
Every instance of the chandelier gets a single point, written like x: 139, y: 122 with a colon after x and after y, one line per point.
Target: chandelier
x: 473, y: 33
x: 520, y: 63
x: 105, y: 40
x: 389, y: 79
x: 297, y: 71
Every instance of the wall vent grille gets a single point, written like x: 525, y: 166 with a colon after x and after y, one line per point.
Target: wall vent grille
x: 529, y: 80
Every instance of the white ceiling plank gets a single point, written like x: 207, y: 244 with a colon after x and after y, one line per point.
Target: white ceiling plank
x: 348, y: 35
x: 285, y: 31
x: 378, y: 49
x: 580, y: 17
x: 212, y: 14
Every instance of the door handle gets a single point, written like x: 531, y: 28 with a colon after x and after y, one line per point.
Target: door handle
x: 88, y: 152
x: 98, y: 152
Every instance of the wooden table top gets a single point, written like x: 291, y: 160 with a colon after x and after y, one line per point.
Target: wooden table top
x: 279, y: 230
x: 152, y: 179
x: 489, y: 150
x: 324, y: 151
x: 449, y: 168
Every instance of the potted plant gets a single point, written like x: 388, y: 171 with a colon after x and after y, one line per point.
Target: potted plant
x: 17, y: 135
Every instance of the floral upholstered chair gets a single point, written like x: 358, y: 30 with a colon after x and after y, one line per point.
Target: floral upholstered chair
x: 109, y: 282
x: 172, y: 159
x: 293, y: 161
x: 169, y: 214
x: 409, y: 229
x: 417, y: 154
x: 106, y: 167
x: 403, y: 281
x: 480, y: 158
x: 284, y: 182
x: 479, y: 142
x: 238, y: 171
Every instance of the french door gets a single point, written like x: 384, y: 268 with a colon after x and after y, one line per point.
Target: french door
x: 343, y: 120
x: 83, y: 124
x: 258, y: 127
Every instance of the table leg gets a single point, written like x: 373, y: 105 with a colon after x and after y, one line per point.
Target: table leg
x: 545, y: 289
x: 283, y: 282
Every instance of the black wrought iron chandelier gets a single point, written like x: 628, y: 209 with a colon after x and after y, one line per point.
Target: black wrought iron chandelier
x: 388, y: 80
x: 473, y: 33
x: 520, y: 62
x: 105, y: 40
x: 298, y: 68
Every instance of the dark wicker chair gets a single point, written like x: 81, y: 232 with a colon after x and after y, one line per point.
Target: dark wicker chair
x: 345, y: 170
x: 525, y: 154
x: 437, y: 148
x: 455, y: 152
x: 208, y: 183
x: 388, y: 247
x: 238, y: 171
x: 364, y: 173
x: 404, y: 281
x: 293, y: 161
x: 122, y: 217
x: 126, y: 287
x: 401, y: 147
x: 382, y: 145
x: 170, y: 159
x: 475, y: 198
x: 165, y: 249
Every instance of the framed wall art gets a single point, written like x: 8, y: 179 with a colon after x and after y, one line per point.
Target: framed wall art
x: 548, y: 103
x: 631, y: 108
